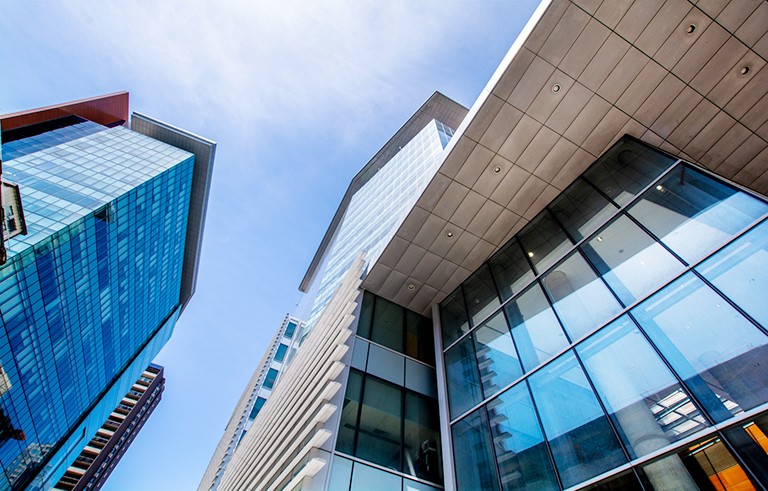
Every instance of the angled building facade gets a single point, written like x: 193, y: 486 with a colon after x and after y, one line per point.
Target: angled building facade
x: 589, y: 255
x: 92, y: 292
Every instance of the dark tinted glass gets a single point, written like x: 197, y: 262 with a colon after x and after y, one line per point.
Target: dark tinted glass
x: 473, y: 453
x: 581, y: 209
x: 366, y: 316
x: 722, y: 357
x: 464, y: 389
x: 269, y: 380
x: 693, y: 214
x: 453, y: 317
x: 750, y: 440
x: 524, y: 461
x: 422, y: 438
x: 626, y: 169
x: 480, y: 294
x: 544, y: 241
x: 379, y: 438
x: 290, y: 329
x: 349, y: 412
x: 419, y: 340
x: 387, y: 329
x: 511, y: 269
x: 280, y: 354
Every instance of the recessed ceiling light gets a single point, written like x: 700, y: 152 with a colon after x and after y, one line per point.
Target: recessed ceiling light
x: 411, y: 286
x: 744, y: 70
x: 690, y: 29
x: 599, y: 238
x: 449, y: 234
x: 497, y: 169
x: 530, y: 254
x: 556, y: 88
x: 659, y: 188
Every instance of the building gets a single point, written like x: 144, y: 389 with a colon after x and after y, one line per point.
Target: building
x: 92, y: 292
x: 95, y: 463
x: 256, y: 393
x: 587, y: 262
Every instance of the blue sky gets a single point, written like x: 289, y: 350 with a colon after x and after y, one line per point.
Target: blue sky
x: 299, y: 96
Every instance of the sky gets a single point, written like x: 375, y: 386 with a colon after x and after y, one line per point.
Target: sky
x: 298, y: 96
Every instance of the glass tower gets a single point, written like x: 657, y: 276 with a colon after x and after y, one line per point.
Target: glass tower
x: 620, y: 337
x: 92, y: 292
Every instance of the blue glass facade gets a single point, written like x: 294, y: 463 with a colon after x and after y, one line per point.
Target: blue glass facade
x: 619, y: 340
x: 91, y: 294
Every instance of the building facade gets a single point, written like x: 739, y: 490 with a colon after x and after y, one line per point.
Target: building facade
x: 255, y: 395
x: 92, y: 467
x: 590, y: 249
x: 92, y: 292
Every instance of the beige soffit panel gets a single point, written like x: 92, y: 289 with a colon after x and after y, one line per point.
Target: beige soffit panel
x: 292, y: 422
x: 687, y: 77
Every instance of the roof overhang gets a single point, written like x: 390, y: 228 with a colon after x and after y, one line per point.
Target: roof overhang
x: 204, y: 151
x: 106, y: 110
x: 582, y: 74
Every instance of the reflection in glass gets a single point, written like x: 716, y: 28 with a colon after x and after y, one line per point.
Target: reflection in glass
x: 463, y: 378
x: 693, y: 214
x: 496, y: 355
x: 626, y: 169
x: 480, y: 294
x: 348, y: 426
x: 422, y: 438
x: 581, y: 439
x: 453, y: 317
x: 630, y: 261
x: 367, y: 478
x: 722, y: 357
x: 341, y: 474
x: 623, y: 482
x: 544, y: 241
x: 388, y: 324
x: 511, y: 269
x: 740, y: 271
x: 751, y: 443
x: 648, y: 406
x: 366, y: 315
x: 524, y: 462
x: 419, y: 340
x: 581, y: 209
x: 380, y: 431
x: 580, y: 298
x: 473, y: 454
x: 535, y: 329
x: 706, y: 465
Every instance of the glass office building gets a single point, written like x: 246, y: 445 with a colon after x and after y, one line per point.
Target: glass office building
x: 627, y: 319
x: 92, y: 292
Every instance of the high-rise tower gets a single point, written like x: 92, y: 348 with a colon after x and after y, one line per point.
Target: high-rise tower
x: 92, y: 292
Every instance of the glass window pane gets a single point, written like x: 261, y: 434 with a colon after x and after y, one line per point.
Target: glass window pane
x: 741, y: 272
x: 388, y: 325
x: 269, y: 380
x: 473, y: 454
x: 524, y: 461
x: 579, y: 434
x: 693, y: 213
x: 631, y: 262
x: 280, y: 354
x: 481, y: 295
x: 706, y: 465
x: 496, y: 355
x: 624, y: 482
x: 366, y: 315
x: 626, y: 169
x: 751, y: 443
x: 381, y: 419
x: 544, y: 241
x: 581, y: 299
x: 646, y: 403
x: 722, y: 357
x: 453, y: 317
x: 341, y: 474
x: 537, y: 333
x: 422, y: 438
x: 348, y: 425
x: 582, y: 209
x: 463, y: 378
x: 367, y: 478
x: 511, y: 269
x: 419, y: 340
x: 409, y: 485
x: 386, y: 364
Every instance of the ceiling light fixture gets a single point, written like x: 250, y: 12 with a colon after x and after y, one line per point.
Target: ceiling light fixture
x: 556, y: 88
x: 690, y: 29
x: 449, y: 234
x: 497, y: 169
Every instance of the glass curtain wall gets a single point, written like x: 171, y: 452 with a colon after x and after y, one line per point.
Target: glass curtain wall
x: 389, y: 433
x: 627, y: 316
